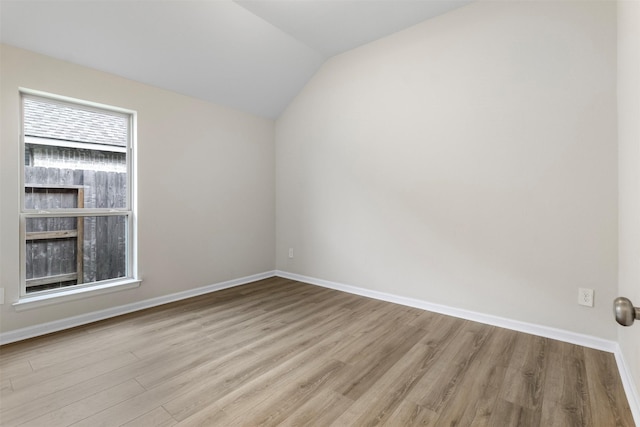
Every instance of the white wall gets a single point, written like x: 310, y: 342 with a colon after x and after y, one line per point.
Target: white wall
x: 629, y: 174
x: 469, y: 161
x: 205, y: 180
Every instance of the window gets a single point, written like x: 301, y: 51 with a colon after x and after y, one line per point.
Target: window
x: 77, y: 220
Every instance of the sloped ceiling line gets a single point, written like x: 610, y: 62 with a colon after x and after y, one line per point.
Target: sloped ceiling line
x: 253, y: 55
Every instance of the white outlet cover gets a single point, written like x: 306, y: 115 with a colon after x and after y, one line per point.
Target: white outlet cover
x: 585, y: 297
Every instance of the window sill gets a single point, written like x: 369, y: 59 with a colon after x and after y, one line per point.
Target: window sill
x: 29, y: 302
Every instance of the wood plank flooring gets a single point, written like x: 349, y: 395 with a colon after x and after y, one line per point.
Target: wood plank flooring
x: 280, y: 352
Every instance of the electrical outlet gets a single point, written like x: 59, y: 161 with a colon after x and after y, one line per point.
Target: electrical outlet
x: 1, y: 295
x: 290, y: 252
x: 585, y: 297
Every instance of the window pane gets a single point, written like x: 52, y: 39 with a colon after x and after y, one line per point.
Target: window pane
x: 45, y: 118
x: 71, y: 147
x: 62, y: 251
x: 75, y: 157
x: 53, y: 183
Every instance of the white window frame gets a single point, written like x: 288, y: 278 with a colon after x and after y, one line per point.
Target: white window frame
x: 40, y: 298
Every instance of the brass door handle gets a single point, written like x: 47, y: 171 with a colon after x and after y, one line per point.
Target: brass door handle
x: 624, y: 311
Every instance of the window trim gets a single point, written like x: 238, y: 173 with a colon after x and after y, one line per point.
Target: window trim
x: 38, y: 299
x: 35, y: 299
x: 36, y: 140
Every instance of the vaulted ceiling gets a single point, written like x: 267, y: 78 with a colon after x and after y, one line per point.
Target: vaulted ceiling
x: 253, y: 55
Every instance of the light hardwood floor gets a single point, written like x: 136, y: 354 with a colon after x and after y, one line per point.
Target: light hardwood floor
x: 280, y: 352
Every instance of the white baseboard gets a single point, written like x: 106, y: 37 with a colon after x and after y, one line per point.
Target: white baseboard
x: 83, y: 319
x: 516, y: 325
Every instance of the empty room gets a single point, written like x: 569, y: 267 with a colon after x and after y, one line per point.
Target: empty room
x: 320, y: 213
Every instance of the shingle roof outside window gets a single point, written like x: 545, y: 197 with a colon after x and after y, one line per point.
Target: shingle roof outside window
x: 59, y: 121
